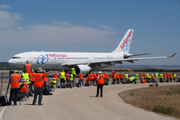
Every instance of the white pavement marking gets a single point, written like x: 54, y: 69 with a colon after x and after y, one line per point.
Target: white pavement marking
x: 1, y: 113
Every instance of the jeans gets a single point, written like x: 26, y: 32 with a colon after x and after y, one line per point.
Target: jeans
x: 38, y: 91
x: 81, y: 81
x: 92, y: 81
x: 70, y: 83
x: 73, y: 83
x: 140, y: 80
x: 14, y: 91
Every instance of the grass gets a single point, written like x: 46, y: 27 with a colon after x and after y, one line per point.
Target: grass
x: 132, y: 93
x: 162, y: 109
x: 161, y: 99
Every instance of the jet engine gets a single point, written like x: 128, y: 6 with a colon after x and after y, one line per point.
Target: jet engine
x: 82, y: 69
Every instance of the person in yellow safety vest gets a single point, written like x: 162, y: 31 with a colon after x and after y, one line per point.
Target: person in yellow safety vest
x: 73, y: 71
x: 174, y: 77
x: 156, y: 77
x: 26, y: 76
x: 62, y: 78
x: 53, y: 83
x: 70, y: 79
x: 161, y: 77
x: 137, y: 76
x: 147, y: 77
x: 132, y: 79
x: 126, y: 77
x: 150, y: 78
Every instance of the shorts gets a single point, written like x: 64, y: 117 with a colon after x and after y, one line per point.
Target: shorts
x: 62, y: 80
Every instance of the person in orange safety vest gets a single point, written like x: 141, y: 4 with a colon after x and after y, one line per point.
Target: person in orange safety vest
x: 24, y: 86
x: 114, y: 78
x: 14, y: 80
x: 38, y: 86
x: 67, y: 75
x: 171, y: 77
x: 27, y: 67
x: 121, y: 77
x: 81, y: 80
x: 95, y: 77
x: 164, y: 75
x: 100, y: 84
x: 167, y: 77
x: 117, y: 78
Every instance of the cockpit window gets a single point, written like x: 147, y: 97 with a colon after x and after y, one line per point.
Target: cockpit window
x: 16, y: 57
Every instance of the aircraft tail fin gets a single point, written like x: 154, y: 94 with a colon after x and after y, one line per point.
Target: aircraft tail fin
x: 124, y: 45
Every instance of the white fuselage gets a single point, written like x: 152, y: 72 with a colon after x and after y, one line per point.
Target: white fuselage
x: 59, y: 60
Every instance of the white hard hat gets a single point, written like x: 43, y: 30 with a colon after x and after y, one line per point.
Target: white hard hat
x: 40, y: 69
x: 100, y: 72
x: 54, y: 78
x: 15, y: 71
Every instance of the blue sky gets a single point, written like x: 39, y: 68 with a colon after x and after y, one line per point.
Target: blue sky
x: 90, y: 26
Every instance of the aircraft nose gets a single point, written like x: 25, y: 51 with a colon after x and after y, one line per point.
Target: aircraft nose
x: 10, y: 62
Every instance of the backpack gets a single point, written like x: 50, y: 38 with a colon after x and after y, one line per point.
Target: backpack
x: 2, y: 100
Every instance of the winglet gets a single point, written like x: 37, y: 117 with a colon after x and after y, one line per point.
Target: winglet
x: 172, y: 55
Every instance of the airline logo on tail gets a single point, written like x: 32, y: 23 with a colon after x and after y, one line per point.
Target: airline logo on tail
x: 125, y: 41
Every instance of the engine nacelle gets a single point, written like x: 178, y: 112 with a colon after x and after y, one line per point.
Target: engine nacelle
x: 82, y: 69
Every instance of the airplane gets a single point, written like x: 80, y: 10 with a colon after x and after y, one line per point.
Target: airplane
x: 83, y: 62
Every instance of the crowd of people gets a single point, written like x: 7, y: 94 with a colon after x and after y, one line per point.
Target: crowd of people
x: 36, y: 82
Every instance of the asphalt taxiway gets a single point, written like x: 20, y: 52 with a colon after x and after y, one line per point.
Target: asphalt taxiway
x: 81, y: 104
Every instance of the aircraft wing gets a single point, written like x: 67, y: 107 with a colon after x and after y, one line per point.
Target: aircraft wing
x: 113, y: 62
x: 131, y: 60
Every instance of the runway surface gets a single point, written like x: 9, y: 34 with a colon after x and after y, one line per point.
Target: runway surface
x: 81, y: 104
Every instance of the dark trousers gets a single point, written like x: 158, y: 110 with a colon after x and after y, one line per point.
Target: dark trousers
x: 99, y: 86
x: 14, y: 95
x: 114, y: 81
x: 38, y: 91
x: 117, y: 80
x: 30, y: 88
x: 121, y: 80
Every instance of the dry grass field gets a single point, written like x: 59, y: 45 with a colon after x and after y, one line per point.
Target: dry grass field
x: 161, y: 99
